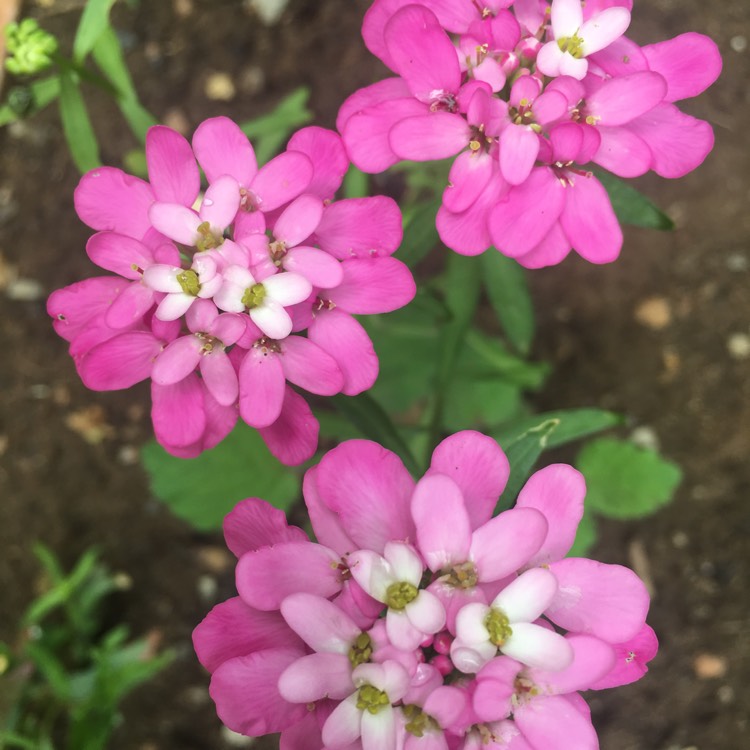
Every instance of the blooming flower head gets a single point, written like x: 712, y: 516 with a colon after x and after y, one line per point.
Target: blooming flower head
x: 418, y: 618
x: 227, y: 298
x: 489, y: 83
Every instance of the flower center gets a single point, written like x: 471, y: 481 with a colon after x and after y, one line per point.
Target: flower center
x: 277, y: 250
x: 479, y: 141
x: 463, y: 576
x: 400, y: 594
x: 371, y: 699
x: 418, y: 721
x: 207, y: 240
x: 361, y: 650
x: 573, y: 45
x: 498, y: 626
x: 188, y: 281
x: 254, y: 296
x: 442, y: 101
x: 209, y: 343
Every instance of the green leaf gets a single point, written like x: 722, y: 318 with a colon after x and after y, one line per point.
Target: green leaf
x: 356, y: 183
x: 508, y: 292
x: 585, y: 536
x: 485, y: 356
x: 625, y: 481
x: 94, y: 20
x: 76, y: 124
x: 370, y: 418
x: 203, y: 490
x: 574, y: 424
x: 40, y: 94
x: 109, y: 57
x: 631, y: 206
x: 474, y: 402
x: 269, y: 132
x: 420, y: 233
x: 522, y: 455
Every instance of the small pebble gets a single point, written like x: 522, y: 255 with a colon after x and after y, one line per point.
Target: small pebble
x: 216, y: 559
x: 127, y: 455
x: 737, y: 262
x: 235, y: 740
x: 175, y: 118
x: 270, y: 11
x: 40, y: 391
x: 220, y: 87
x: 645, y: 437
x: 207, y: 587
x: 680, y: 539
x: 738, y: 345
x: 709, y: 666
x: 183, y: 8
x: 25, y: 290
x: 654, y: 313
x: 725, y: 694
x: 738, y: 43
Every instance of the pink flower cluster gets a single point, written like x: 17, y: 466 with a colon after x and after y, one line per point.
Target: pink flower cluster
x: 528, y: 96
x: 417, y: 619
x: 214, y: 290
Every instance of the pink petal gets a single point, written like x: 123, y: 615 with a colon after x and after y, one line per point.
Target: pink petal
x: 553, y: 249
x: 120, y: 362
x: 72, y: 307
x: 525, y: 217
x: 620, y: 58
x: 223, y: 149
x: 177, y: 222
x: 550, y: 106
x: 385, y: 90
x: 220, y: 421
x: 690, y: 63
x: 219, y: 377
x: 326, y: 525
x: 221, y: 203
x: 341, y: 336
x: 317, y: 266
x: 370, y: 489
x: 478, y: 466
x: 552, y: 723
x: 468, y: 178
x: 592, y: 659
x: 603, y: 29
x: 233, y: 629
x: 589, y: 221
x: 401, y: 632
x: 519, y: 147
x: 107, y: 199
x: 293, y: 437
x: 281, y: 180
x: 317, y: 676
x: 631, y: 659
x: 422, y: 53
x: 623, y: 153
x: 507, y: 542
x: 550, y: 59
x: 246, y: 693
x: 172, y: 170
x: 426, y: 613
x: 320, y: 623
x: 178, y: 412
x: 373, y: 285
x: 443, y: 526
x: 558, y: 492
x: 326, y: 151
x: 227, y: 327
x: 438, y: 135
x: 608, y: 601
x: 305, y: 735
x: 261, y: 380
x: 254, y: 523
x: 679, y: 143
x: 366, y: 133
x: 267, y: 576
x: 566, y: 141
x: 307, y: 365
x: 360, y: 227
x: 298, y: 220
x: 177, y: 361
x: 128, y: 308
x: 343, y: 726
x: 621, y: 100
x: 119, y: 253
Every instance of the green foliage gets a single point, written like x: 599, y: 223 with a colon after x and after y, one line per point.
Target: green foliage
x: 356, y: 183
x: 30, y: 48
x: 269, y: 132
x: 94, y: 21
x: 585, y: 536
x: 77, y: 128
x: 64, y: 681
x: 420, y: 233
x: 631, y: 206
x: 505, y: 284
x: 624, y: 481
x: 203, y: 490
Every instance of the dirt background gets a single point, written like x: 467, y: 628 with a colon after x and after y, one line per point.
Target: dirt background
x: 662, y: 335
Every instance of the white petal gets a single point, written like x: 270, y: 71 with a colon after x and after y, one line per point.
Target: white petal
x: 525, y: 598
x: 401, y: 633
x: 406, y: 563
x: 372, y: 572
x: 272, y: 319
x: 566, y: 17
x: 470, y: 626
x: 162, y: 278
x: 379, y: 730
x: 343, y: 726
x: 229, y: 297
x: 174, y: 306
x: 426, y: 613
x: 287, y: 288
x: 470, y: 659
x: 603, y: 29
x: 538, y: 647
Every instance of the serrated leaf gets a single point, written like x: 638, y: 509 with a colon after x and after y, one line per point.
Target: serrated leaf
x: 586, y: 536
x: 625, y: 481
x: 76, y: 124
x: 574, y: 424
x: 631, y: 206
x: 522, y: 454
x: 203, y: 490
x: 94, y: 20
x: 508, y: 292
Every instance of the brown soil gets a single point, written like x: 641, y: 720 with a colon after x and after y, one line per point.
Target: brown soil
x: 677, y: 366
